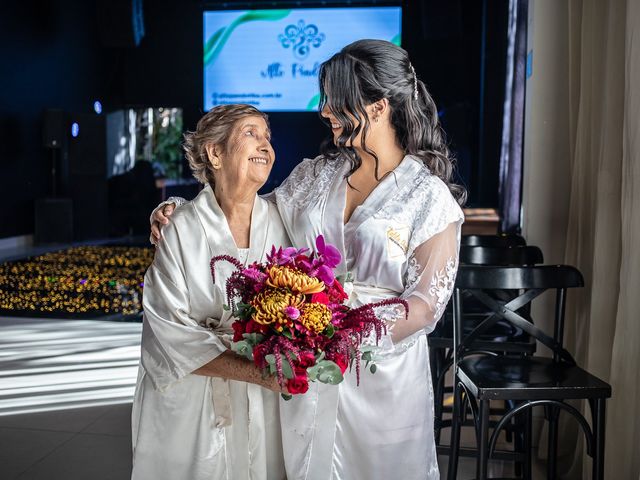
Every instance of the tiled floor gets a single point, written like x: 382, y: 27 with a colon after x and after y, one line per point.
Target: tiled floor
x: 73, y: 381
x: 86, y: 443
x: 65, y: 398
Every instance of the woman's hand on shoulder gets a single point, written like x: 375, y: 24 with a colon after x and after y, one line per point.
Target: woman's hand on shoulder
x: 160, y: 217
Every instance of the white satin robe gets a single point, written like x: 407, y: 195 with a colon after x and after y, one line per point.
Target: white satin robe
x: 186, y: 426
x: 402, y: 242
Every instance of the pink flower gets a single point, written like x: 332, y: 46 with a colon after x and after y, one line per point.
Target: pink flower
x: 292, y: 312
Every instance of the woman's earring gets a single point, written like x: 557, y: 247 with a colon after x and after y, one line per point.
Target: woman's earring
x: 375, y: 119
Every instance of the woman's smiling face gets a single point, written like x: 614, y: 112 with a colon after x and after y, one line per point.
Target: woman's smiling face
x: 247, y: 158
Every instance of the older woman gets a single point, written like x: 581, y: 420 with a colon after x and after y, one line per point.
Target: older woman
x: 200, y: 411
x: 382, y: 193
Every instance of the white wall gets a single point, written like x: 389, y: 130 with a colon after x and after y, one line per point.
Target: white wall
x: 546, y: 182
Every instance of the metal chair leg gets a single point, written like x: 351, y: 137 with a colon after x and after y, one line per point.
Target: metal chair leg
x: 527, y: 443
x: 456, y: 425
x: 483, y: 440
x: 518, y: 438
x: 598, y: 432
x: 437, y: 362
x: 552, y: 414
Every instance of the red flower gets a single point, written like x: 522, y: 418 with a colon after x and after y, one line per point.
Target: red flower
x: 320, y: 297
x: 255, y: 327
x: 238, y: 330
x: 299, y: 383
x: 340, y: 360
x: 259, y: 352
x: 306, y: 360
x: 337, y: 293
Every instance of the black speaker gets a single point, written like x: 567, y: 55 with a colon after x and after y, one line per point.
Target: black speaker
x: 54, y: 126
x: 54, y: 220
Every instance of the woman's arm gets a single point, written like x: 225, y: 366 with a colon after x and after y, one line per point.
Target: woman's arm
x: 432, y: 271
x: 175, y: 344
x: 233, y: 367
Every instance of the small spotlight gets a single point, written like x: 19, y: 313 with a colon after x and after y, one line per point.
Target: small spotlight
x: 75, y: 129
x: 97, y: 107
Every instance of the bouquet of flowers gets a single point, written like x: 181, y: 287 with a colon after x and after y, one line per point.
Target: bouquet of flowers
x: 291, y: 317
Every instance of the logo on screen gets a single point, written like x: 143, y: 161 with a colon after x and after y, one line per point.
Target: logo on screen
x: 301, y: 38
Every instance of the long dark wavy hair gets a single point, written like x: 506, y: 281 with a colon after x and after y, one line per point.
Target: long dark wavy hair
x: 367, y: 71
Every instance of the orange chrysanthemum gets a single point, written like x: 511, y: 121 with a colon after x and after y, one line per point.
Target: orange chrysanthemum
x: 295, y: 280
x: 315, y: 316
x: 270, y: 307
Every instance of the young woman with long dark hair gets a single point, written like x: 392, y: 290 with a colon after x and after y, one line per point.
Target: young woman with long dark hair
x: 381, y: 191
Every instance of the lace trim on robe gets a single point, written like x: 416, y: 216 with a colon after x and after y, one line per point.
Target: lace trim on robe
x: 442, y: 286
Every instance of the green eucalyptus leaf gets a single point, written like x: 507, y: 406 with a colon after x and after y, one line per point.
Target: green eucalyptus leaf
x: 253, y: 339
x: 244, y: 311
x: 312, y: 372
x: 243, y: 349
x: 327, y: 371
x: 373, y: 368
x: 332, y: 376
x: 287, y: 370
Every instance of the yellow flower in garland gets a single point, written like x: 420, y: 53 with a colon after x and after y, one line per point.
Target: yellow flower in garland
x: 315, y: 316
x: 270, y: 307
x: 295, y: 280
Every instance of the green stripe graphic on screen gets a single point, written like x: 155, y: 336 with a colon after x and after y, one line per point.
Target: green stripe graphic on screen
x: 215, y: 44
x: 396, y: 40
x: 314, y: 103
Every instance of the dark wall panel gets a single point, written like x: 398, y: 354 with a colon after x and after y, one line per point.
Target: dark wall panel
x: 54, y: 55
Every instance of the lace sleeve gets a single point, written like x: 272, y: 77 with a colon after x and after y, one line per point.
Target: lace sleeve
x: 429, y: 284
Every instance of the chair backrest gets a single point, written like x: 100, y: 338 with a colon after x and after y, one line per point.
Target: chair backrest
x: 502, y: 240
x: 501, y: 256
x: 529, y: 282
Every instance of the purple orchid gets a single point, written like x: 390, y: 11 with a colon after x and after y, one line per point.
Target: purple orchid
x: 285, y: 256
x: 329, y: 254
x: 322, y: 267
